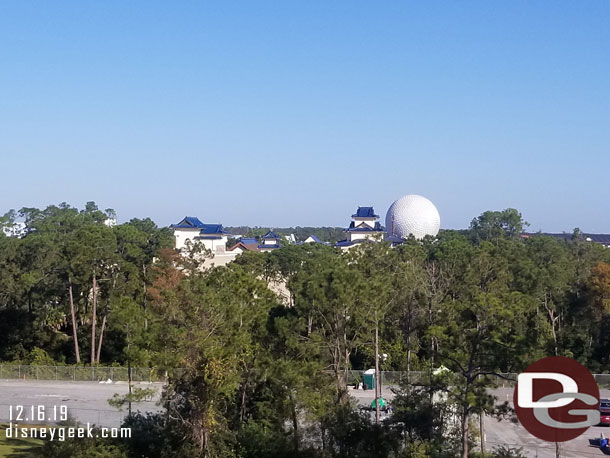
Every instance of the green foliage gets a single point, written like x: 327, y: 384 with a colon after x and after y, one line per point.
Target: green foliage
x: 157, y: 436
x: 493, y: 225
x: 65, y: 249
x: 137, y: 394
x: 349, y: 433
x: 39, y: 357
x: 83, y: 448
x: 508, y: 452
x: 326, y: 234
x: 254, y: 375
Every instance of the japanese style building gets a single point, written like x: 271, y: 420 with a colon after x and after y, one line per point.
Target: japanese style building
x: 365, y: 226
x: 269, y: 241
x: 245, y: 244
x: 212, y: 236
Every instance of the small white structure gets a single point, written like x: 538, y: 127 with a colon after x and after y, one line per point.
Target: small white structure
x: 313, y: 239
x: 212, y: 236
x: 364, y: 227
x: 17, y: 229
x: 270, y: 241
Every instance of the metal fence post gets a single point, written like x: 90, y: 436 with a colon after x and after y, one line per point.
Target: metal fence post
x: 74, y: 374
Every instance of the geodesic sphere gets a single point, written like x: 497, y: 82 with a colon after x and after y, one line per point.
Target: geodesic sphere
x: 412, y: 214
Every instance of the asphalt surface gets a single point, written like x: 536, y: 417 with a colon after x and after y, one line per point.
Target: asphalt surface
x: 512, y: 434
x: 87, y: 402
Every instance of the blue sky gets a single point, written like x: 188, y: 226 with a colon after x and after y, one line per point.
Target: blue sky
x: 294, y: 113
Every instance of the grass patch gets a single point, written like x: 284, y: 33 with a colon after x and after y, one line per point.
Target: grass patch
x: 17, y: 448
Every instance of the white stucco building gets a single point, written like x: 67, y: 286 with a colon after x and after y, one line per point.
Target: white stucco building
x: 269, y: 241
x: 212, y: 236
x: 364, y: 226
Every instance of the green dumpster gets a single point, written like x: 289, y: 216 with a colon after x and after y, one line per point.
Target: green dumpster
x: 368, y: 379
x: 382, y: 404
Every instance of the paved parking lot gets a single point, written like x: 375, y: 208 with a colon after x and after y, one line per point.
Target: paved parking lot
x: 88, y: 402
x: 85, y: 401
x: 513, y: 434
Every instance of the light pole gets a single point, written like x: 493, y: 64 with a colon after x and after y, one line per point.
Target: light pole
x: 383, y: 357
x: 378, y: 381
x: 377, y: 387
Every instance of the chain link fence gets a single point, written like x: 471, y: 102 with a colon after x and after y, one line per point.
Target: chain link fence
x: 143, y: 374
x: 100, y: 417
x: 545, y: 451
x: 504, y: 380
x: 81, y: 373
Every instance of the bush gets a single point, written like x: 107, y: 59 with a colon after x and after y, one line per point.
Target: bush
x: 156, y: 436
x: 508, y: 452
x: 82, y: 448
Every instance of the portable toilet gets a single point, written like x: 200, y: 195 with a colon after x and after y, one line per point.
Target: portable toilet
x: 369, y: 379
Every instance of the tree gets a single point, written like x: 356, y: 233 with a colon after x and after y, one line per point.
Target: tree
x: 493, y: 225
x: 376, y: 264
x: 415, y: 293
x: 480, y: 334
x: 600, y: 286
x: 551, y: 275
x: 209, y: 319
x: 128, y: 318
x: 328, y: 296
x: 92, y: 252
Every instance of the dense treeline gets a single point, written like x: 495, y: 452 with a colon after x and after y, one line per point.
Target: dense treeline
x: 65, y: 285
x: 326, y: 234
x: 260, y: 378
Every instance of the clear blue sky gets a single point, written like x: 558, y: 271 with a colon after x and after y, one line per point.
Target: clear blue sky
x: 296, y: 112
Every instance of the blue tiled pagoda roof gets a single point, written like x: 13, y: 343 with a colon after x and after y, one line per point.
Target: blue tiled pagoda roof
x: 188, y: 222
x: 393, y: 239
x: 271, y: 235
x: 344, y: 243
x: 348, y: 243
x: 205, y: 230
x: 365, y: 212
x: 212, y: 229
x: 364, y: 227
x: 269, y: 246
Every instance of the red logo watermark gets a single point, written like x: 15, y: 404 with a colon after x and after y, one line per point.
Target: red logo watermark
x: 556, y: 399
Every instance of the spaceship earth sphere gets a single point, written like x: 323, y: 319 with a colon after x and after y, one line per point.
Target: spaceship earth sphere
x: 412, y: 215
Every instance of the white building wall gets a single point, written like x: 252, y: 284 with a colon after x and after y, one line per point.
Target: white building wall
x: 356, y: 236
x: 370, y: 223
x: 237, y: 249
x: 362, y: 235
x: 182, y: 235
